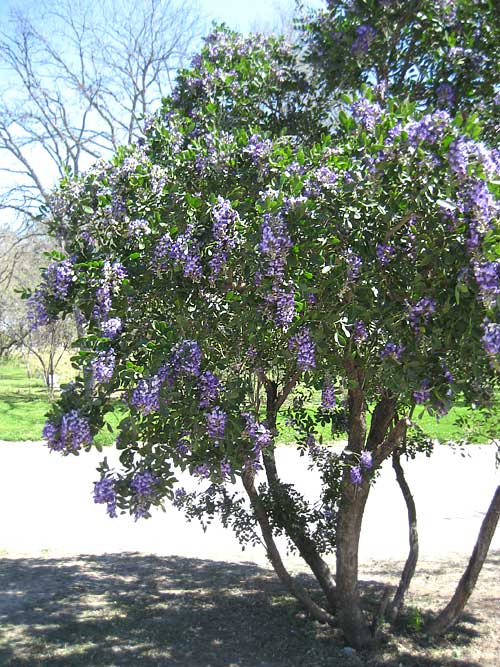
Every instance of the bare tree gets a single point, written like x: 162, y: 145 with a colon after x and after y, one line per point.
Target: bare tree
x: 78, y: 77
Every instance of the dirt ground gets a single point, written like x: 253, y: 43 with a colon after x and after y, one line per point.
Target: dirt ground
x: 119, y: 610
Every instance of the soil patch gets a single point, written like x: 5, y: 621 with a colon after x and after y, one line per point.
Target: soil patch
x: 119, y: 610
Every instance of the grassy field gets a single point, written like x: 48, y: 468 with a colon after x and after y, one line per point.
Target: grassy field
x: 24, y: 403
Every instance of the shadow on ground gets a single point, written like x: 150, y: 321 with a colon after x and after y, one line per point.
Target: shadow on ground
x: 149, y: 611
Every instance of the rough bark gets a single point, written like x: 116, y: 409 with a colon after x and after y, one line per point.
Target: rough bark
x: 450, y: 614
x: 295, y: 589
x: 350, y: 615
x: 411, y: 561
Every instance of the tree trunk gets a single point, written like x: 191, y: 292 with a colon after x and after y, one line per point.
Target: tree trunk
x: 411, y: 561
x: 295, y: 589
x: 291, y: 523
x: 350, y: 616
x: 449, y: 615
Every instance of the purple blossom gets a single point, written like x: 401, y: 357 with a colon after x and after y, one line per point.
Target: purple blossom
x: 354, y: 263
x: 37, y: 313
x: 59, y: 277
x: 423, y: 394
x: 325, y: 176
x: 225, y: 218
x: 202, y: 470
x: 259, y: 434
x: 305, y: 349
x: 384, y: 253
x: 111, y: 328
x: 366, y: 460
x: 146, y: 396
x: 430, y: 128
x: 274, y: 245
x: 445, y: 95
x: 365, y: 34
x: 328, y: 399
x: 491, y: 337
x: 356, y: 475
x: 138, y: 228
x: 143, y: 485
x: 420, y: 313
x: 258, y: 149
x: 366, y: 113
x: 73, y: 432
x: 216, y: 424
x: 209, y: 387
x: 225, y: 470
x: 185, y: 358
x: 184, y: 446
x: 392, y: 350
x: 487, y: 275
x: 183, y: 252
x: 103, y: 366
x: 282, y: 298
x: 105, y: 493
x: 360, y: 334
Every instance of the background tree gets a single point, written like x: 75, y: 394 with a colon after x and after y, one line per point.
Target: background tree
x: 78, y: 80
x: 251, y: 251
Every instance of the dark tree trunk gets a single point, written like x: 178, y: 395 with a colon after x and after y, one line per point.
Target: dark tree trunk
x: 449, y: 615
x: 411, y: 561
x: 291, y: 522
x: 295, y: 589
x: 350, y: 616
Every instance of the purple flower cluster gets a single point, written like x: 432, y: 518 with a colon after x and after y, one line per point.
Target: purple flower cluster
x: 491, y: 337
x: 113, y: 274
x: 325, y: 176
x: 259, y: 435
x: 184, y: 252
x: 385, y: 253
x: 274, y: 245
x: 392, y: 350
x: 356, y: 472
x: 445, y: 95
x: 365, y: 34
x: 72, y: 433
x: 112, y: 327
x: 37, y: 313
x: 146, y: 396
x: 360, y: 333
x: 105, y: 493
x: 185, y: 358
x: 366, y: 113
x: 225, y: 218
x: 209, y: 388
x: 354, y: 263
x: 138, y: 228
x: 487, y: 275
x: 59, y: 277
x: 258, y: 149
x: 328, y: 399
x: 430, y: 128
x: 216, y: 424
x: 423, y: 394
x: 103, y: 366
x: 143, y: 486
x: 303, y: 345
x: 419, y: 313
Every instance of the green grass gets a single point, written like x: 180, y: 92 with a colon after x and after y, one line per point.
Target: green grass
x: 24, y: 404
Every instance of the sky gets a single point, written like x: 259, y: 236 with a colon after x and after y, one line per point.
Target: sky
x: 259, y: 15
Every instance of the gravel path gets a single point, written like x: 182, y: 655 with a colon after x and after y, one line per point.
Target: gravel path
x: 47, y: 508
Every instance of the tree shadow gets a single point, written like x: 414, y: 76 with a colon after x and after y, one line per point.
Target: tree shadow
x: 131, y: 609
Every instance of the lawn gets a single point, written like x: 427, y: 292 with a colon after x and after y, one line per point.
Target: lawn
x: 24, y: 403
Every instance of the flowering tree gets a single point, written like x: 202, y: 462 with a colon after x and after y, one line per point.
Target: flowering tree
x: 249, y: 251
